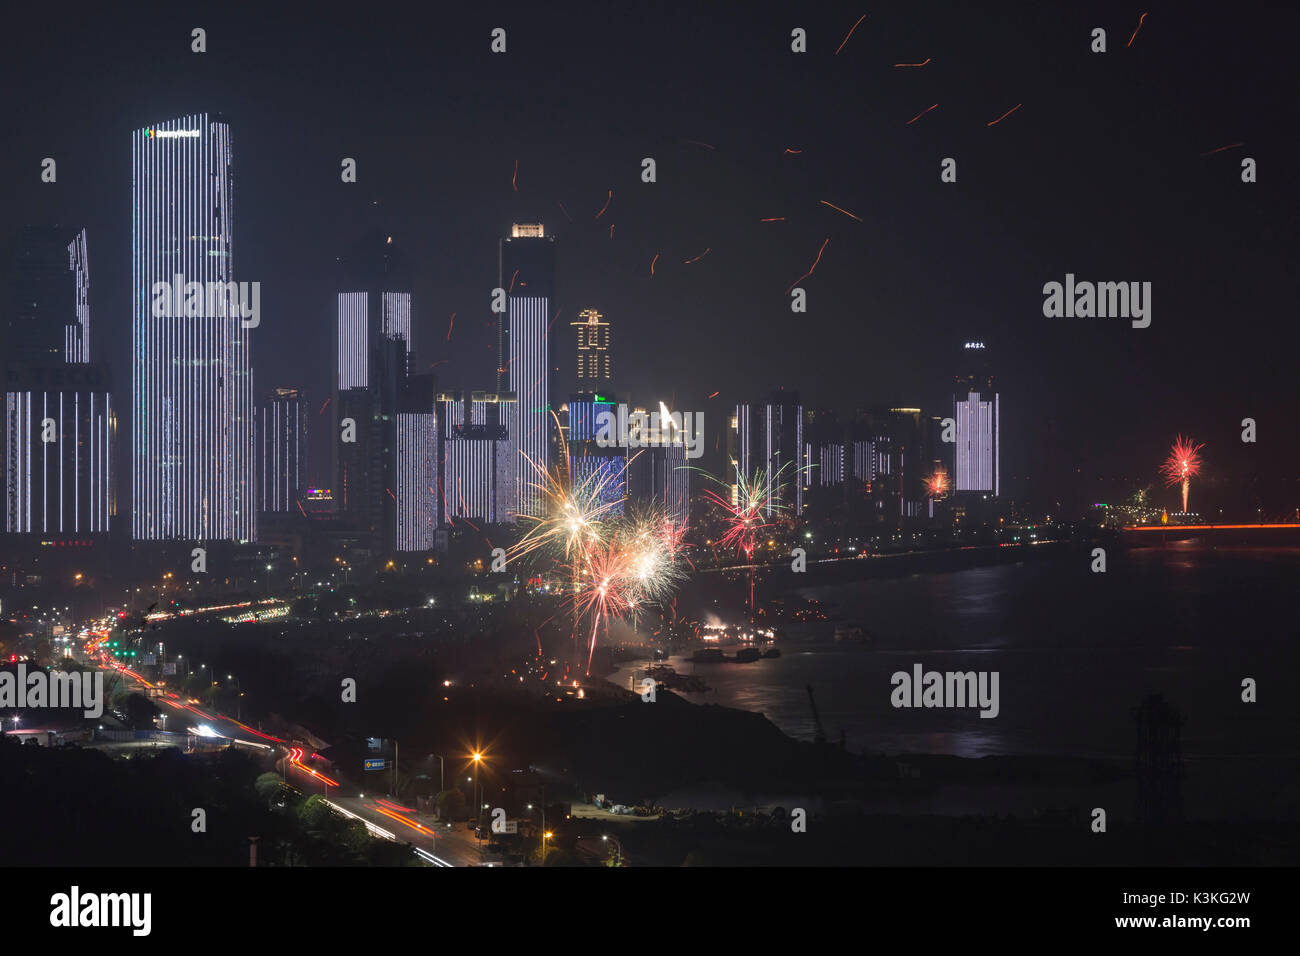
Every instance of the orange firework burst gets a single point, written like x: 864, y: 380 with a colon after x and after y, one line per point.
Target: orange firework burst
x: 1182, y: 465
x: 937, y: 485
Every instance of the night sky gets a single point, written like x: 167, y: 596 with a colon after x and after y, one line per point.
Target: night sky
x: 1098, y: 173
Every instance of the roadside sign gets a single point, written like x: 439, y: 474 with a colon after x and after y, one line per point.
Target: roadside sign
x: 376, y: 763
x: 512, y: 826
x: 169, y: 667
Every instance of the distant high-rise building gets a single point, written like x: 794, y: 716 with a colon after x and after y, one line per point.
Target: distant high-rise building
x: 768, y: 438
x: 372, y: 373
x: 527, y: 366
x: 59, y: 429
x: 417, y: 480
x: 281, y: 449
x: 477, y: 474
x: 60, y: 432
x: 976, y: 454
x: 594, y: 352
x: 48, y: 320
x: 602, y: 467
x: 192, y: 410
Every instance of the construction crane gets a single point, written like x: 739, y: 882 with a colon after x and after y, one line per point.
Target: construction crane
x: 819, y: 735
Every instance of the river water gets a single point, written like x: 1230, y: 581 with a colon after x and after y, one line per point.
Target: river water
x: 1074, y: 650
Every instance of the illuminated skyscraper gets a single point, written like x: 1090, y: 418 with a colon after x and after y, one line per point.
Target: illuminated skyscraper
x: 527, y: 366
x: 477, y: 480
x: 976, y: 454
x: 372, y: 367
x: 281, y: 450
x: 768, y: 437
x: 594, y: 351
x: 192, y: 394
x: 59, y: 438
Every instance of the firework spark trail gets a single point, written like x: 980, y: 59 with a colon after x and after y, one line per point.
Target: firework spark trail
x: 323, y: 404
x: 922, y: 63
x: 652, y: 263
x: 1139, y: 27
x: 838, y: 209
x: 774, y: 219
x: 1005, y: 115
x: 608, y: 199
x: 849, y: 34
x: 811, y: 269
x: 512, y: 282
x: 715, y: 395
x: 793, y: 152
x: 697, y: 258
x: 1222, y: 148
x: 563, y: 210
x: 451, y: 324
x: 1182, y: 465
x: 514, y: 180
x: 695, y: 142
x: 611, y: 230
x: 919, y: 115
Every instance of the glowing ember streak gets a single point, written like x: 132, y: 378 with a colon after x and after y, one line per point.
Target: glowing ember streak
x: 849, y: 34
x: 1222, y: 148
x: 608, y: 199
x: 1134, y: 37
x: 793, y: 151
x: 652, y: 263
x: 811, y: 268
x: 611, y: 230
x: 922, y: 63
x: 697, y: 258
x: 919, y: 115
x: 1182, y: 465
x: 451, y: 325
x: 694, y: 142
x: 1005, y: 115
x: 514, y: 180
x: 715, y: 395
x: 774, y: 219
x: 512, y: 282
x: 563, y: 210
x: 323, y: 404
x: 838, y: 209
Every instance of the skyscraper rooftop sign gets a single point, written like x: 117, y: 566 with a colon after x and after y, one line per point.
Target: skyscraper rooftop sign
x: 173, y: 133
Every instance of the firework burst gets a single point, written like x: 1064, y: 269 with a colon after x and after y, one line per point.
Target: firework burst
x: 1182, y: 465
x: 938, y: 484
x: 618, y: 565
x: 754, y: 503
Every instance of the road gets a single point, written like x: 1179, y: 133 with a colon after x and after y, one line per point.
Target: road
x: 438, y: 844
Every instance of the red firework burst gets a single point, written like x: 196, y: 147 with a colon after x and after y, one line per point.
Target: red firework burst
x: 1183, y: 461
x: 1182, y: 465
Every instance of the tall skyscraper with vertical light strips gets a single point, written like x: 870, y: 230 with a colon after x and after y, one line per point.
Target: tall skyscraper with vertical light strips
x: 527, y: 356
x: 192, y: 395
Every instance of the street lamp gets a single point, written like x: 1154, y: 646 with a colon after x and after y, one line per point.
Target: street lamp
x: 239, y: 701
